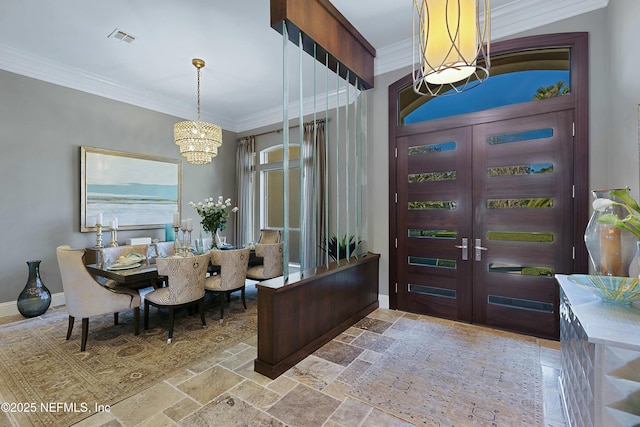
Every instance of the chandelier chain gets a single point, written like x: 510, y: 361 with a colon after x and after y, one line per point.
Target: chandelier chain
x: 198, y: 93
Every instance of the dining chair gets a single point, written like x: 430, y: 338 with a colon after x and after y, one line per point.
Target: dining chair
x: 232, y: 277
x: 86, y: 297
x: 162, y: 250
x: 186, y: 276
x: 165, y: 249
x: 272, y: 262
x: 269, y: 236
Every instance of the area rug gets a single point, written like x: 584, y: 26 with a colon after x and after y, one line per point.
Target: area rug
x: 442, y: 373
x: 39, y: 367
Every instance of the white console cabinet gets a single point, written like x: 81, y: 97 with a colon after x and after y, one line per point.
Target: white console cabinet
x: 600, y: 352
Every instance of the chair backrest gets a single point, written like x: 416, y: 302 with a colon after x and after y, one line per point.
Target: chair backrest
x: 269, y: 236
x: 164, y: 249
x: 233, y: 266
x: 186, y: 276
x: 83, y: 295
x: 111, y: 255
x: 272, y: 255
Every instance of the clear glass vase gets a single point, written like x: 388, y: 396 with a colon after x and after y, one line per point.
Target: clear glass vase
x: 611, y: 249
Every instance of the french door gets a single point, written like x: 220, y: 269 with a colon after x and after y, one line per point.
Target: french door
x: 484, y: 217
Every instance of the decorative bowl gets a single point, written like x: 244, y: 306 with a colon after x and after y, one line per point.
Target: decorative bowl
x: 614, y: 289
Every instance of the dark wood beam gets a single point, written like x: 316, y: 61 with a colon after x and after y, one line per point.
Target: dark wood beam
x: 321, y: 23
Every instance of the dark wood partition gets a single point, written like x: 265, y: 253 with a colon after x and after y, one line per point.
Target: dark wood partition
x: 296, y: 319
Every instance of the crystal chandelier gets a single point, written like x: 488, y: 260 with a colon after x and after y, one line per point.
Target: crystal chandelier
x: 198, y: 141
x: 451, y: 47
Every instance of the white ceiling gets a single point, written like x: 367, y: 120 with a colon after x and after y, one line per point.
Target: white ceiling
x: 65, y: 42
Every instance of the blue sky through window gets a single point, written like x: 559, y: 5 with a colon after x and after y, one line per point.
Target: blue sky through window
x: 497, y: 91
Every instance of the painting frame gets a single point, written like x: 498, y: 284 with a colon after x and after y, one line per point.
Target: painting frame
x: 138, y: 191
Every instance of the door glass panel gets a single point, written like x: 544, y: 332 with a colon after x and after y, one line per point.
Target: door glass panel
x: 436, y: 204
x: 520, y: 303
x: 537, y: 203
x: 519, y: 236
x: 520, y: 136
x: 432, y: 291
x: 516, y: 77
x: 415, y: 178
x: 433, y: 262
x: 520, y: 269
x: 432, y: 234
x: 433, y: 148
x: 520, y: 170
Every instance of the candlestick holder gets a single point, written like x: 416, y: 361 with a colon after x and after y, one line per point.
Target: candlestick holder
x: 188, y: 242
x: 114, y: 238
x: 176, y: 240
x: 98, y: 235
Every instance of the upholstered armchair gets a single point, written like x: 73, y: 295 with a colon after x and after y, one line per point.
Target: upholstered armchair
x: 85, y: 297
x: 233, y: 270
x: 272, y: 264
x: 186, y: 276
x: 269, y: 236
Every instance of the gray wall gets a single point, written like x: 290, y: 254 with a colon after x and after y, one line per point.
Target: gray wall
x: 42, y: 127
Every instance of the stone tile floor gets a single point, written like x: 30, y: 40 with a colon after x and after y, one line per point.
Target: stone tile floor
x: 223, y: 390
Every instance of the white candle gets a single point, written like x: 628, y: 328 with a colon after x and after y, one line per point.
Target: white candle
x: 115, y: 220
x: 176, y: 219
x: 183, y: 225
x: 112, y: 224
x: 99, y: 218
x: 189, y: 224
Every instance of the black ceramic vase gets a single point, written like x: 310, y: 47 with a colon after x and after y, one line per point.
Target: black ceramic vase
x: 35, y: 298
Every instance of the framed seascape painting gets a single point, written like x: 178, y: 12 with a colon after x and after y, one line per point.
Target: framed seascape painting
x: 133, y: 191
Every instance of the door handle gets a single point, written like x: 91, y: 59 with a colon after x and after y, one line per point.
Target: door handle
x: 479, y: 248
x: 465, y: 249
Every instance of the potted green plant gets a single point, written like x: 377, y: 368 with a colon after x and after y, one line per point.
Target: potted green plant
x: 338, y: 247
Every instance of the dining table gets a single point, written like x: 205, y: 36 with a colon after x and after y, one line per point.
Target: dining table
x: 135, y: 276
x: 145, y: 272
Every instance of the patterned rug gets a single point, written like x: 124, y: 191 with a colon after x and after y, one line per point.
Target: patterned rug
x: 474, y: 377
x: 38, y: 366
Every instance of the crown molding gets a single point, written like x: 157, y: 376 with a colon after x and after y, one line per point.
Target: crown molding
x: 44, y: 69
x: 512, y: 18
x: 322, y: 103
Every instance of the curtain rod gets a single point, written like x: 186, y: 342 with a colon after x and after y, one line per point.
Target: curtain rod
x: 280, y: 130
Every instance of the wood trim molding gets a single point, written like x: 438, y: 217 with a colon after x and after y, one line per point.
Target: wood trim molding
x: 321, y: 23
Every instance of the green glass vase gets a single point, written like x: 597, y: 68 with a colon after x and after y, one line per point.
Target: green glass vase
x: 35, y: 298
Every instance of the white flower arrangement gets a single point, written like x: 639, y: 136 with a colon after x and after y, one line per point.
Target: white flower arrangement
x: 214, y: 214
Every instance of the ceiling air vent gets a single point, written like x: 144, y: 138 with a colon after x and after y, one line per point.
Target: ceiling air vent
x: 121, y: 35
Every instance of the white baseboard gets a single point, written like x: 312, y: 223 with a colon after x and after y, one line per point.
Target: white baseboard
x: 383, y: 301
x: 10, y: 308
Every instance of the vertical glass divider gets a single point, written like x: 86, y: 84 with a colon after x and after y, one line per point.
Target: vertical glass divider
x: 302, y: 152
x: 347, y: 176
x: 285, y: 158
x: 326, y: 160
x: 338, y: 162
x: 356, y: 115
x: 314, y: 228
